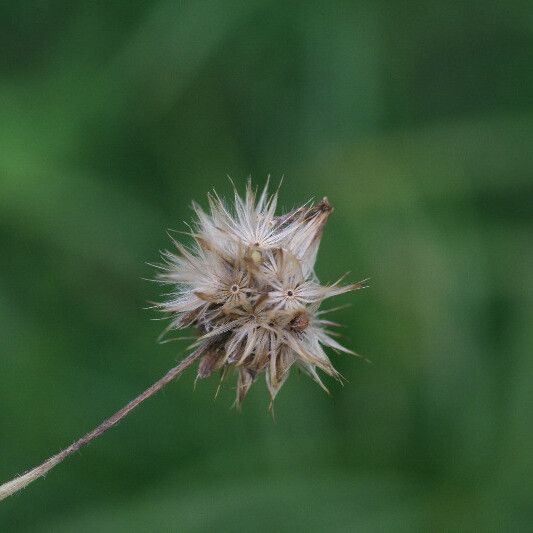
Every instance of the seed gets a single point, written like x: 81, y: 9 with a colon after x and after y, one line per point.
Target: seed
x: 300, y: 322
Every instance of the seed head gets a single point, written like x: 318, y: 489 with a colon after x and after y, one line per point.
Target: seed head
x: 248, y: 285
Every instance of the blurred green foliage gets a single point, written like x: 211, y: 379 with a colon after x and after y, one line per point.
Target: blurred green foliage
x: 414, y: 118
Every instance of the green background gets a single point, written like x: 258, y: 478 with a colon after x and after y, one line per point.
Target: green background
x: 415, y: 118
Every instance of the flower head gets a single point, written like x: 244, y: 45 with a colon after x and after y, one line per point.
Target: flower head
x: 248, y: 285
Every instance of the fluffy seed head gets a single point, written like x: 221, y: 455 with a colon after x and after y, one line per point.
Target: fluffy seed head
x: 247, y: 284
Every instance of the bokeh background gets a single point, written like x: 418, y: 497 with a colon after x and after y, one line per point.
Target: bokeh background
x: 416, y: 120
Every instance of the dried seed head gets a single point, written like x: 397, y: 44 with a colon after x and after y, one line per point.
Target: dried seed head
x: 249, y: 287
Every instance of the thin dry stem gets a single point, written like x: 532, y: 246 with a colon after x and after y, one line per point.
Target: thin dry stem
x: 18, y: 483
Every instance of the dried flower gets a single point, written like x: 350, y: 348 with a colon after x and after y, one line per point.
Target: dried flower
x: 248, y: 285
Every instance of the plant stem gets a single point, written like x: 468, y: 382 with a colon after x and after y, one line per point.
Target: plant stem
x: 22, y: 481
